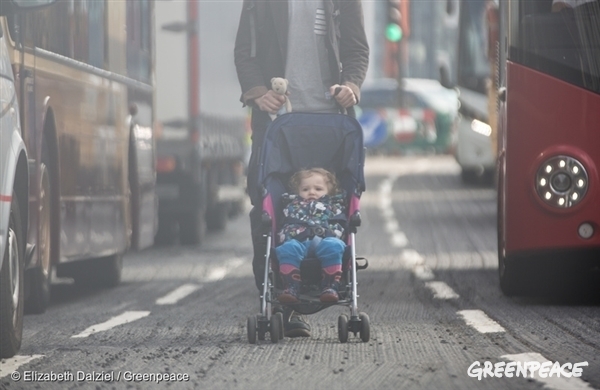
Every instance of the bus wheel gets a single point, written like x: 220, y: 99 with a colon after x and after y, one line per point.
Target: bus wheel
x: 167, y: 231
x: 12, y: 283
x: 217, y: 216
x: 39, y: 277
x: 512, y: 282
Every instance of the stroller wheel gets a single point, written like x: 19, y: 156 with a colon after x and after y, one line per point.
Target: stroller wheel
x: 279, y: 316
x: 276, y: 330
x: 343, y: 328
x: 262, y: 330
x: 365, y: 329
x: 251, y: 327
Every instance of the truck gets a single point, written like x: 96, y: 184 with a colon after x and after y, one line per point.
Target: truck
x: 201, y: 130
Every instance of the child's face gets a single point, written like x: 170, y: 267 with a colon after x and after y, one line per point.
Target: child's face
x: 313, y: 187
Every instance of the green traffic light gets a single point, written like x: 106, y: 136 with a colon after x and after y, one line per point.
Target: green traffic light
x: 393, y: 32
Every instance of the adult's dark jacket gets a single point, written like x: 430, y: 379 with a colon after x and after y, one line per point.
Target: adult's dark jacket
x: 261, y: 44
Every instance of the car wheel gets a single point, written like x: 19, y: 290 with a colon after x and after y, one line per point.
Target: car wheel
x: 39, y: 293
x: 469, y: 176
x: 12, y: 283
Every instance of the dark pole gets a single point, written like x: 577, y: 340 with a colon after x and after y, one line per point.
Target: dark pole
x: 193, y: 68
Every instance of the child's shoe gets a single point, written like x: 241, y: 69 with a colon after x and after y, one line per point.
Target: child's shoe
x: 330, y: 285
x: 291, y: 281
x: 329, y: 295
x: 289, y: 295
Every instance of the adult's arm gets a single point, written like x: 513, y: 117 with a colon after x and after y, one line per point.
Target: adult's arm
x: 246, y: 63
x: 354, y: 49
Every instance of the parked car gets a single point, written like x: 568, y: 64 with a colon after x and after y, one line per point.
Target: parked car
x: 416, y: 115
x: 14, y: 181
x: 475, y: 148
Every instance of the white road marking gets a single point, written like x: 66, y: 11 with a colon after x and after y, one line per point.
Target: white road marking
x: 10, y: 365
x: 480, y: 321
x: 218, y: 273
x: 411, y: 258
x: 554, y: 382
x: 416, y: 263
x: 128, y: 316
x: 387, y: 213
x: 399, y: 240
x: 176, y: 295
x: 441, y: 290
x: 423, y: 272
x: 391, y: 226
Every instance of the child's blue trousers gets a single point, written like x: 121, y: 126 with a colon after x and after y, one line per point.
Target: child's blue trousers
x: 329, y: 251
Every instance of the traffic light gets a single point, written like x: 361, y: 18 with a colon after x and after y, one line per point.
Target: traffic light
x: 393, y: 31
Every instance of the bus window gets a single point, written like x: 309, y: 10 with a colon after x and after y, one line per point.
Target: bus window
x: 475, y: 69
x: 138, y: 40
x: 97, y: 49
x: 562, y: 44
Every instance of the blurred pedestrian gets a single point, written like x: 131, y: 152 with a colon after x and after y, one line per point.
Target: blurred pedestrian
x: 306, y: 42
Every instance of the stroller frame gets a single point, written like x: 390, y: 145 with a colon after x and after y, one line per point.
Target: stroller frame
x: 351, y: 139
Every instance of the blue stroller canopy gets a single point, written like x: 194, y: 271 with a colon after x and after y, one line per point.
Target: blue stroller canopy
x: 297, y: 141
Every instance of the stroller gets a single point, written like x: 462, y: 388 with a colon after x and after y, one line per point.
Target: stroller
x: 296, y: 141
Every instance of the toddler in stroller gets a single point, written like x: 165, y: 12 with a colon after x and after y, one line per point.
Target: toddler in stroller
x: 313, y: 226
x: 293, y: 276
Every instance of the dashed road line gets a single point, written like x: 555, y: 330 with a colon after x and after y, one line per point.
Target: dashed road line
x: 124, y: 318
x: 480, y: 321
x: 399, y: 240
x: 11, y: 365
x: 178, y: 294
x: 218, y: 273
x: 474, y: 318
x: 441, y: 290
x: 416, y: 263
x: 550, y: 382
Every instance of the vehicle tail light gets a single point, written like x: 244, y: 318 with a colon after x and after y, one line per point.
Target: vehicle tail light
x: 561, y: 181
x: 429, y: 116
x: 165, y: 164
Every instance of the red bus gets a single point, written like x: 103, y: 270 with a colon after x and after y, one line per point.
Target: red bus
x: 549, y: 142
x: 84, y: 75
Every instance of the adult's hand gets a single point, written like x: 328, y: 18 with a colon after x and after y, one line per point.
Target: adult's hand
x: 270, y: 102
x: 345, y: 97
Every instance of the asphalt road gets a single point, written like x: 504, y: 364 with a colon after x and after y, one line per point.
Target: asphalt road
x: 431, y: 292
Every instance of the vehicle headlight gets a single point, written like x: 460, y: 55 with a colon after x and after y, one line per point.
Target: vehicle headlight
x: 481, y: 127
x: 561, y: 181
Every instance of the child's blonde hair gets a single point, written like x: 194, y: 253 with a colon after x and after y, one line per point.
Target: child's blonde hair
x: 330, y: 180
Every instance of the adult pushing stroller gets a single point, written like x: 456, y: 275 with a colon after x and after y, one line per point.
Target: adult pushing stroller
x: 297, y: 141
